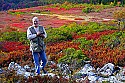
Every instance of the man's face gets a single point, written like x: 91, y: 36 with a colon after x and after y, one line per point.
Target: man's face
x: 35, y: 22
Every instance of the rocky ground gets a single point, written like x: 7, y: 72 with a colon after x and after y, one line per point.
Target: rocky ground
x: 87, y: 73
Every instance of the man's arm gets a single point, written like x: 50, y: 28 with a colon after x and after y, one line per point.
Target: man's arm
x: 30, y: 35
x: 45, y: 34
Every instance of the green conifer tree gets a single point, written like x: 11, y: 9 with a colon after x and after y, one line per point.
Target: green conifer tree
x: 122, y: 2
x: 115, y: 2
x: 91, y: 1
x: 99, y: 1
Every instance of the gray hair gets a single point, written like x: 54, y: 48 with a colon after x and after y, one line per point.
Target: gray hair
x: 35, y: 18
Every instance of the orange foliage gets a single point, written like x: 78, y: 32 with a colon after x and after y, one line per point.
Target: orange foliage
x: 101, y: 55
x: 55, y: 49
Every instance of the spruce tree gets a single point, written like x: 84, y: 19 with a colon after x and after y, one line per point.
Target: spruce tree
x: 99, y: 1
x: 91, y: 1
x: 115, y: 2
x: 122, y: 2
x: 103, y: 2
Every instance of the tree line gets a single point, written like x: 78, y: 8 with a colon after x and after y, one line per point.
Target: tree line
x: 16, y: 4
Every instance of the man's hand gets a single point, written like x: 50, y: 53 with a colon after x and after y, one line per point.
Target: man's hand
x: 40, y: 34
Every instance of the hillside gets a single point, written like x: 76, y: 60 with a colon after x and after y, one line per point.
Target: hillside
x: 81, y: 39
x: 21, y: 18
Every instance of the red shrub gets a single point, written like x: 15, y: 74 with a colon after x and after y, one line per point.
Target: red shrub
x: 101, y: 55
x: 20, y: 25
x: 95, y: 35
x: 13, y: 46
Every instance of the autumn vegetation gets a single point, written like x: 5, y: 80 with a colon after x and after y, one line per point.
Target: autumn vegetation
x: 98, y: 42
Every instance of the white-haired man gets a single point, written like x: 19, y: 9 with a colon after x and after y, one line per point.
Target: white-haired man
x: 36, y: 35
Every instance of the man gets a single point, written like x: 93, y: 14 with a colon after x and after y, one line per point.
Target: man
x: 36, y: 35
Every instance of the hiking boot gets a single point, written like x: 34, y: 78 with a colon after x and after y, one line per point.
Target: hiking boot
x: 36, y: 74
x: 44, y: 71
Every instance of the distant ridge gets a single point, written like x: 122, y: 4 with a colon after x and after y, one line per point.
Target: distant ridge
x: 19, y: 4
